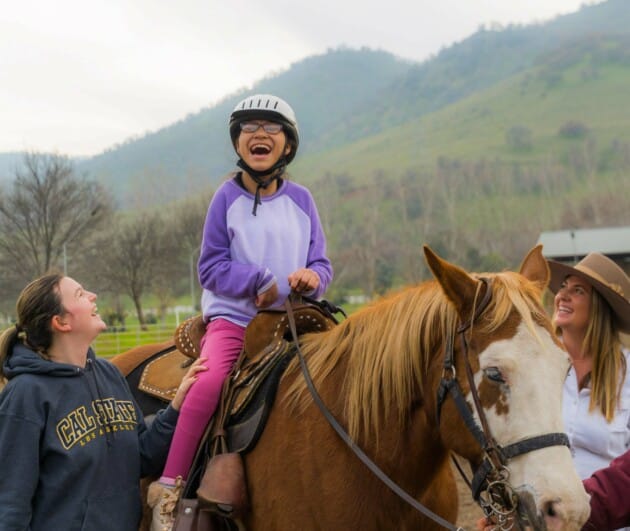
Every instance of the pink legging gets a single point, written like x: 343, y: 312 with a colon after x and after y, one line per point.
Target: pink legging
x: 220, y: 345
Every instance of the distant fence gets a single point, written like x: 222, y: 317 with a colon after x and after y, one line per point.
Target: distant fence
x: 117, y: 340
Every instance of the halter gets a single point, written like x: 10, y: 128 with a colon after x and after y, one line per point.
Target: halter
x: 490, y: 485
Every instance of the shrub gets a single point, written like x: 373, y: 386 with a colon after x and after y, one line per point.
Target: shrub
x: 573, y: 129
x: 519, y: 137
x: 150, y: 318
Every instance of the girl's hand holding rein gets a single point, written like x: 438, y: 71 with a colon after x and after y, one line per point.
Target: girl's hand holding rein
x: 304, y: 280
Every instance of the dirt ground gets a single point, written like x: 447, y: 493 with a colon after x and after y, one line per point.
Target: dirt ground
x: 469, y: 511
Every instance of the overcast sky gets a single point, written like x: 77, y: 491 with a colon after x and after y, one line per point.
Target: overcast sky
x: 77, y: 76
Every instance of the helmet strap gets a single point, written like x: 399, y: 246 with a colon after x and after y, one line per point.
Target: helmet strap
x: 263, y: 178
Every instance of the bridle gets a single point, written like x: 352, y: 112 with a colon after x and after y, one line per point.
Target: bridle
x: 490, y: 485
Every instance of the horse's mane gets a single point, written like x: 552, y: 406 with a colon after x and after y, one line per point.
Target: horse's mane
x: 387, y: 347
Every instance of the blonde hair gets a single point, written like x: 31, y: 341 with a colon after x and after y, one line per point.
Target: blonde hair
x: 602, y: 340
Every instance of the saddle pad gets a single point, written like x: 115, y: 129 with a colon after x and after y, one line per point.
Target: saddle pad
x: 250, y: 373
x: 253, y: 392
x: 161, y: 376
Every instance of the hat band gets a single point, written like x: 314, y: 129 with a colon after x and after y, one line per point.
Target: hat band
x: 615, y: 287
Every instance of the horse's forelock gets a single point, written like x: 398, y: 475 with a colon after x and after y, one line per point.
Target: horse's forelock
x: 512, y: 291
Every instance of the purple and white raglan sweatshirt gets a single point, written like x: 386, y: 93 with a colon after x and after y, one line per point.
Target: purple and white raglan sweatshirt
x: 243, y: 254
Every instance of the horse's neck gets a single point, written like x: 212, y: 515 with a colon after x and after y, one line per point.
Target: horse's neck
x: 412, y: 439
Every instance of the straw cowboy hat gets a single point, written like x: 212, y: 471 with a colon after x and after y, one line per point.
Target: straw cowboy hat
x: 606, y: 277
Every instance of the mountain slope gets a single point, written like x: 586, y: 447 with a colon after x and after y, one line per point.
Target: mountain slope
x: 9, y: 163
x: 322, y: 89
x: 586, y: 83
x: 480, y: 61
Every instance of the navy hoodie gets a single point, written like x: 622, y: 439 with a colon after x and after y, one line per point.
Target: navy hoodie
x: 73, y: 446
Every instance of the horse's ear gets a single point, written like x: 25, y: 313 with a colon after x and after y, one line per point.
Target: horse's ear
x: 458, y: 286
x: 535, y: 268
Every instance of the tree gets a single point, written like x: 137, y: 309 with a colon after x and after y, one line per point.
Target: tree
x: 135, y: 252
x: 186, y: 223
x: 365, y: 244
x: 48, y: 207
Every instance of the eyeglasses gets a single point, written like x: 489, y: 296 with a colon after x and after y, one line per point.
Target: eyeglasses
x: 270, y: 127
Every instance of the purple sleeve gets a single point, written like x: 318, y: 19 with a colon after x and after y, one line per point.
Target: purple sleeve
x: 217, y: 271
x: 610, y: 491
x: 317, y: 259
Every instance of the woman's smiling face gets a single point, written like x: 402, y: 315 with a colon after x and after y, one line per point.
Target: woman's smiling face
x: 572, y: 304
x: 79, y: 305
x: 260, y: 149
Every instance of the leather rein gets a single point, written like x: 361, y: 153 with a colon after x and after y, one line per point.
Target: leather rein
x: 490, y: 485
x: 348, y: 440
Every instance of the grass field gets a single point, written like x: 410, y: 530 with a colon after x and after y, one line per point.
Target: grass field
x: 115, y: 341
x: 109, y: 344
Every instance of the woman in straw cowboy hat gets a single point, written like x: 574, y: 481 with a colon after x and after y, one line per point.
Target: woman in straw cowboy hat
x: 591, y: 310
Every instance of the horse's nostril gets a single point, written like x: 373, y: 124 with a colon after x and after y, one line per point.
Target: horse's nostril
x: 553, y: 508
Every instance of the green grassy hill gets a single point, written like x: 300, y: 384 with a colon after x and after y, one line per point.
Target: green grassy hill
x: 480, y: 179
x: 196, y: 150
x: 589, y: 89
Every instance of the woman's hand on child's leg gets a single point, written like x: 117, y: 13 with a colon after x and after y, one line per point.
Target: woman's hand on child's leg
x: 189, y: 378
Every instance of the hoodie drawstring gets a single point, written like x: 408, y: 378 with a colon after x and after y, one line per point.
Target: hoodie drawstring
x: 104, y: 419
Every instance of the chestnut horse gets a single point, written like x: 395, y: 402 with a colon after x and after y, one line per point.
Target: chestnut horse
x: 467, y: 364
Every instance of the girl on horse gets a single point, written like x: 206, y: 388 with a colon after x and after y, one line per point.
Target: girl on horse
x: 262, y: 238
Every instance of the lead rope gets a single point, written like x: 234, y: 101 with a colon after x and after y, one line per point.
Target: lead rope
x: 348, y: 440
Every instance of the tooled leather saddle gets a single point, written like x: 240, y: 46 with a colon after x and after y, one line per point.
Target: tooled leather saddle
x: 266, y: 332
x: 249, y: 391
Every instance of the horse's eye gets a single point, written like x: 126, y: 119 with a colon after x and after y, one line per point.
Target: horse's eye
x: 494, y: 374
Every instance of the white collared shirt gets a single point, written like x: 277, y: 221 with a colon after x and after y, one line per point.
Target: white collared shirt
x: 595, y: 442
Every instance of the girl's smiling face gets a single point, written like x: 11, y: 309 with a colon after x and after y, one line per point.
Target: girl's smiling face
x: 261, y: 149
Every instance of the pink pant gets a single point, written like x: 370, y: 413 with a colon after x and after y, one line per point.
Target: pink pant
x: 220, y: 345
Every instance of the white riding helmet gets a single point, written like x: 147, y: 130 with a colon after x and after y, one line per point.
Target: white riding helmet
x: 266, y: 107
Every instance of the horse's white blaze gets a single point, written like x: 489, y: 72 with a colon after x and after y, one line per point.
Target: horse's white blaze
x: 534, y: 407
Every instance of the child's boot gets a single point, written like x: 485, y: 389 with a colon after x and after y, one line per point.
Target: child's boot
x: 163, y: 498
